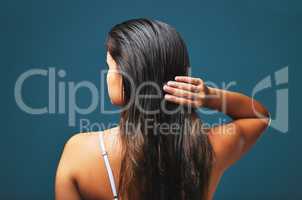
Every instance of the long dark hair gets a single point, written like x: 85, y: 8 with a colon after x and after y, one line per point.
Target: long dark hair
x: 158, y: 163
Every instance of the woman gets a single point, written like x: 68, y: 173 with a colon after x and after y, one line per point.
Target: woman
x: 139, y: 159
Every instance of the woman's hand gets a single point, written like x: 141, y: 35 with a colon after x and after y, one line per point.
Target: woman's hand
x: 187, y: 90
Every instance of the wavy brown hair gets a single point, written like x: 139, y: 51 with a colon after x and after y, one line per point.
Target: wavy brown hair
x: 157, y: 163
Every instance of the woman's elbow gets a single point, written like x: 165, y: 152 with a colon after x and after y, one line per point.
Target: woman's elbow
x: 263, y: 114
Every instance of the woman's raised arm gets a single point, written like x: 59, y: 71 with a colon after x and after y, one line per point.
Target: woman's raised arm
x: 230, y: 140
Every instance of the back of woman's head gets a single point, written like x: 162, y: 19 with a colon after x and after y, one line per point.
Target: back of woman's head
x: 165, y: 153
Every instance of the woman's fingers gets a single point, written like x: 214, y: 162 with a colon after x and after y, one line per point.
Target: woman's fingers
x: 188, y: 79
x: 179, y: 100
x: 180, y: 92
x: 184, y: 86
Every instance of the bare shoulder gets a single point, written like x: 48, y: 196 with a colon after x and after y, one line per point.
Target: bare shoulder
x: 87, y: 142
x: 83, y: 149
x: 81, y: 139
x: 78, y: 148
x: 232, y: 140
x: 83, y: 143
x: 80, y: 143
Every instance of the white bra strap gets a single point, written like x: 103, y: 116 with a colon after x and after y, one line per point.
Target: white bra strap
x: 107, y: 165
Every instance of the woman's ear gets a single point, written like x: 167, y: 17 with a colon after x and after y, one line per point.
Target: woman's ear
x: 115, y: 87
x: 114, y: 82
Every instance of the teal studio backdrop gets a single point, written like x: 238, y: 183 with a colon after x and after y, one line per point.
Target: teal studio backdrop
x: 235, y: 40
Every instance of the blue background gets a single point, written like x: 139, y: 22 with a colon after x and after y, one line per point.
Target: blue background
x: 235, y: 40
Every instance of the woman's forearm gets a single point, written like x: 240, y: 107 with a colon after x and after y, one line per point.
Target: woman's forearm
x: 234, y: 104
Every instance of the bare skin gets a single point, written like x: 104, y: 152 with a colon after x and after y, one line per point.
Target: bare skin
x: 81, y: 173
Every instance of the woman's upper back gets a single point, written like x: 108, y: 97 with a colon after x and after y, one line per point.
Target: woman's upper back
x: 84, y: 163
